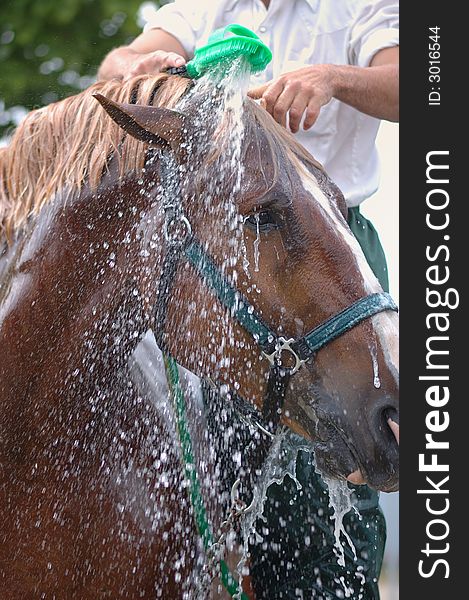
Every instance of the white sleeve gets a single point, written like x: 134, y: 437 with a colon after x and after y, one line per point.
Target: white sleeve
x: 184, y: 19
x: 376, y: 27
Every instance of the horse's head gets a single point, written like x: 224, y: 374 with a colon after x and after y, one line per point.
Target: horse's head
x: 278, y: 235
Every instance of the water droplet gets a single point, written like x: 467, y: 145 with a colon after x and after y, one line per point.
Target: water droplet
x: 374, y: 360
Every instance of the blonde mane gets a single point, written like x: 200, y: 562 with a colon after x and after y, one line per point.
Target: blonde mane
x: 71, y: 141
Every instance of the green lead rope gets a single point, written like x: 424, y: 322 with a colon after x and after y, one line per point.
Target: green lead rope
x: 200, y: 515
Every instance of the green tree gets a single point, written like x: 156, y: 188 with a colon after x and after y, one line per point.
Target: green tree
x: 50, y: 49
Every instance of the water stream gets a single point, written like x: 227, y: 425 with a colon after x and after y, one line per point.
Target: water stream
x: 282, y: 461
x: 221, y: 105
x: 374, y: 360
x: 256, y: 244
x: 340, y: 500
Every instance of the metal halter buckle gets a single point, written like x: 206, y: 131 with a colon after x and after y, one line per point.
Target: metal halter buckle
x: 238, y: 507
x: 171, y: 230
x: 284, y: 345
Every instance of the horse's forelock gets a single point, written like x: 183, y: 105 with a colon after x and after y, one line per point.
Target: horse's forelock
x: 280, y: 144
x: 278, y: 135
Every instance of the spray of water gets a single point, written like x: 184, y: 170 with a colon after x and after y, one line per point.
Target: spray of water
x: 340, y: 500
x: 222, y: 105
x: 280, y: 462
x: 216, y: 103
x: 218, y: 100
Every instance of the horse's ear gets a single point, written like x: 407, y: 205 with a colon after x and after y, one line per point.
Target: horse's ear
x: 150, y: 124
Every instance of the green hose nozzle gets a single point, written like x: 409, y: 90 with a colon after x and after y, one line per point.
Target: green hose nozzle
x: 225, y: 45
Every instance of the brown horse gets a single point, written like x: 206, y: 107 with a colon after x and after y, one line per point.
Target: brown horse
x: 93, y: 496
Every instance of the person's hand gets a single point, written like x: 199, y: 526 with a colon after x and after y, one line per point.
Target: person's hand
x: 153, y: 62
x: 298, y: 93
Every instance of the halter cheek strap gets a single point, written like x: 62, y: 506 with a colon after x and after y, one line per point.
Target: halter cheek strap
x: 272, y: 345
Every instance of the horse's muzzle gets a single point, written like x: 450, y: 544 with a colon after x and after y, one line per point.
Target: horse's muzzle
x: 367, y: 456
x: 357, y: 477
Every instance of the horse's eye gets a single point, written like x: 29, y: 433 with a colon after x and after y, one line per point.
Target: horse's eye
x: 264, y: 221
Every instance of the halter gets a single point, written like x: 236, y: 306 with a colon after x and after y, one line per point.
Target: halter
x: 285, y: 355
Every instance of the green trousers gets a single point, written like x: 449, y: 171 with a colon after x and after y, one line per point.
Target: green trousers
x: 296, y: 557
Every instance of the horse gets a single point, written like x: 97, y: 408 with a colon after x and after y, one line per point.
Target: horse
x: 122, y: 221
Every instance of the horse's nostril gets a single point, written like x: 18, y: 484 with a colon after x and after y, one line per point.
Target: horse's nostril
x: 391, y: 417
x: 394, y: 428
x: 391, y: 413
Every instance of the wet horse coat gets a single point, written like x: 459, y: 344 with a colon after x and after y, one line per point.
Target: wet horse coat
x: 95, y: 503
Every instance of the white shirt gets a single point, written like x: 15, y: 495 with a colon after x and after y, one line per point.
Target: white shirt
x: 301, y: 33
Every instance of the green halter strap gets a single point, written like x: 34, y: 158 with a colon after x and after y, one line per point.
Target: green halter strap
x: 190, y: 470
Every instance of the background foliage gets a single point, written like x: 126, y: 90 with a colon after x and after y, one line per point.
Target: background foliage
x: 50, y: 49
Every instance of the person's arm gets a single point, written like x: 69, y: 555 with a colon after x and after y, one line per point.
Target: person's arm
x: 151, y: 52
x: 373, y: 90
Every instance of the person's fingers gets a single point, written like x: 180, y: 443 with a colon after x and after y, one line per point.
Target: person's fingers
x: 172, y: 60
x: 297, y: 109
x: 147, y: 64
x: 312, y: 113
x: 280, y: 98
x: 257, y: 92
x: 134, y: 71
x: 283, y: 104
x: 271, y: 95
x: 155, y: 62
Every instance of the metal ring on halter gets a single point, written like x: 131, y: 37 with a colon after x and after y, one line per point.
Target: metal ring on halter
x: 236, y: 503
x: 284, y: 345
x: 187, y: 229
